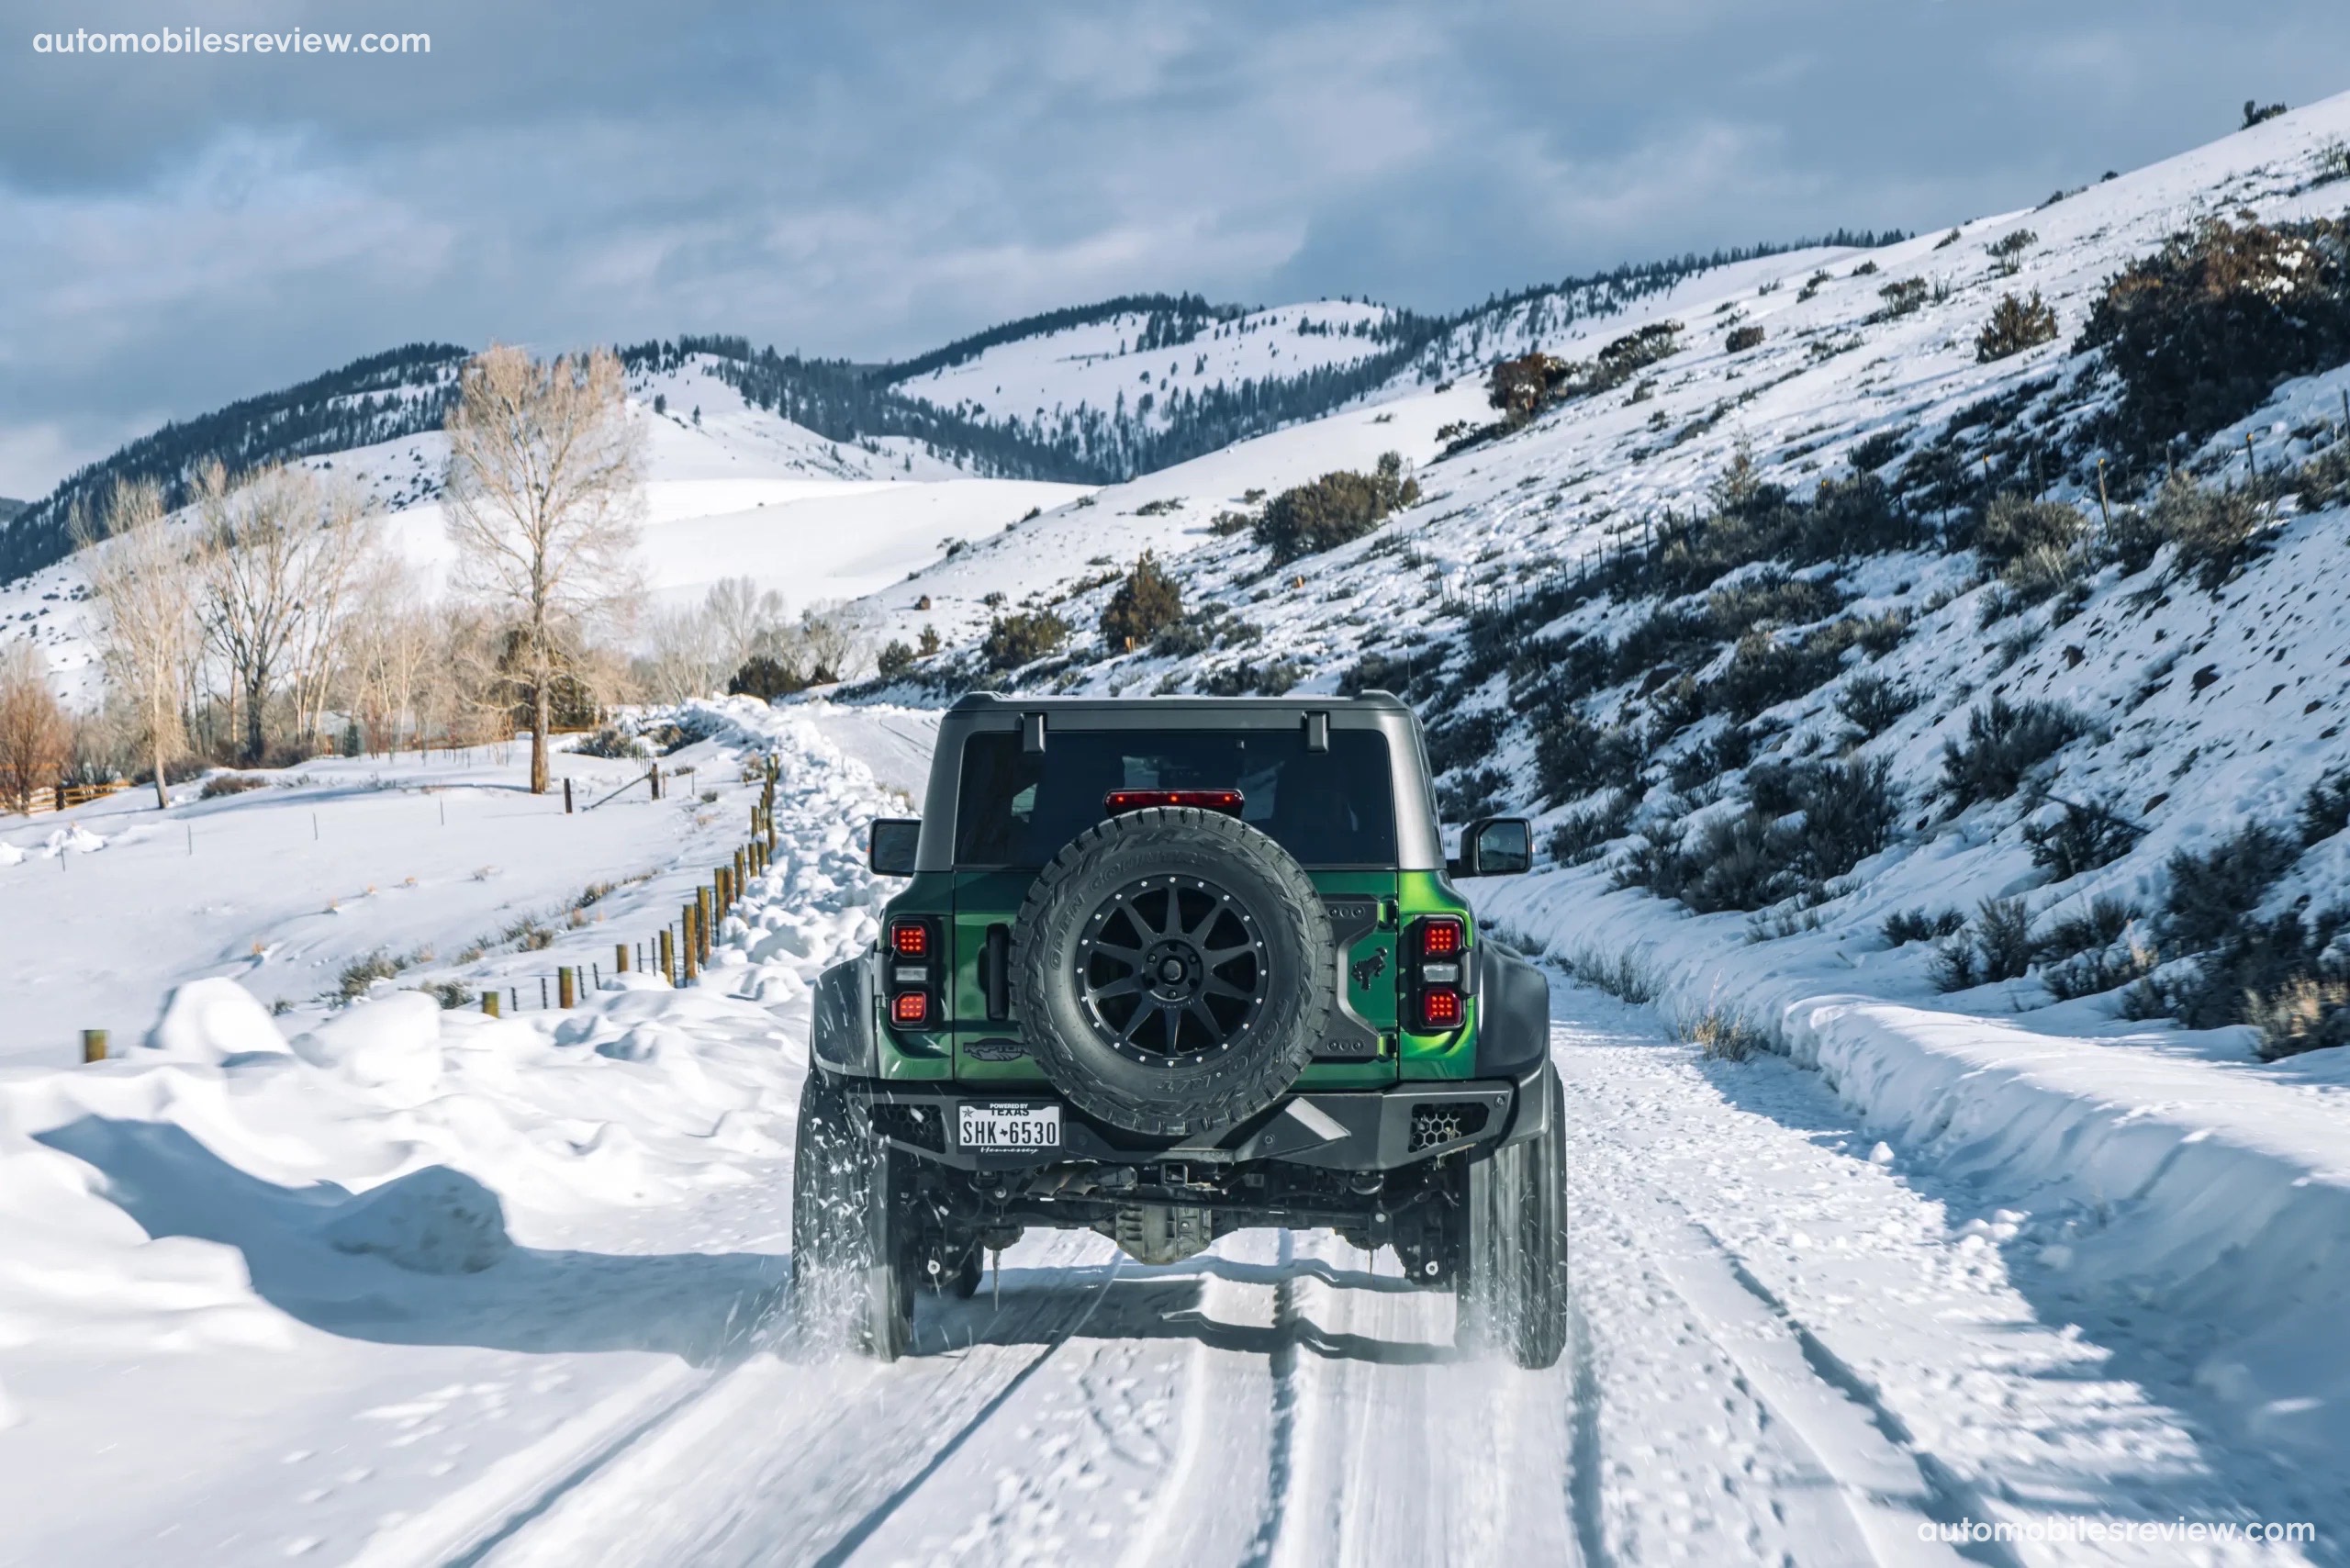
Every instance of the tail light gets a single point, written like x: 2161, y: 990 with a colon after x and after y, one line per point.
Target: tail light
x: 909, y: 972
x: 1118, y: 801
x: 1439, y: 946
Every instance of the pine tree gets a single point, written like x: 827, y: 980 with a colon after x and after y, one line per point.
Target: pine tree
x: 1145, y: 604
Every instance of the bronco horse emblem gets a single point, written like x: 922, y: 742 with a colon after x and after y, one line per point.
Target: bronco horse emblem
x: 1370, y: 970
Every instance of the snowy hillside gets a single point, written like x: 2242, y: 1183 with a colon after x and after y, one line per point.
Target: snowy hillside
x: 1062, y: 557
x: 1511, y: 586
x: 1147, y: 366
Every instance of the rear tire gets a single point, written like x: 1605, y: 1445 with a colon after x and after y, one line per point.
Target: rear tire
x: 1513, y: 1284
x: 852, y: 1282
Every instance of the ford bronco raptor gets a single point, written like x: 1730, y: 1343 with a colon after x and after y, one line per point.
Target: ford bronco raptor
x: 1172, y: 967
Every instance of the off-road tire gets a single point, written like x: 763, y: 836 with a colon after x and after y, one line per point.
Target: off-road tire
x: 852, y: 1278
x: 1177, y: 1093
x: 1513, y: 1286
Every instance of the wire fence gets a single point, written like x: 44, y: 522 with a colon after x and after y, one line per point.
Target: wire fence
x: 677, y: 952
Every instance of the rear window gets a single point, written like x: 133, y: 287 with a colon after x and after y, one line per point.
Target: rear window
x: 1329, y: 808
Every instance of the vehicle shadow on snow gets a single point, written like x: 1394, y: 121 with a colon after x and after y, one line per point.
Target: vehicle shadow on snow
x: 1162, y: 1304
x: 424, y: 1260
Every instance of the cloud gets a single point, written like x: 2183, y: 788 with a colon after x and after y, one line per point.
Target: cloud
x: 870, y: 180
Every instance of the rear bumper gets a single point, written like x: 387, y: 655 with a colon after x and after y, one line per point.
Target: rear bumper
x: 1384, y: 1129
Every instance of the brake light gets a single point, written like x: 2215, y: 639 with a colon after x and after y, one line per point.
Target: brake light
x: 1118, y: 801
x: 910, y: 972
x: 1439, y: 981
x: 1442, y: 936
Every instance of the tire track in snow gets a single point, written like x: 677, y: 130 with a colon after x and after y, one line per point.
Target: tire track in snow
x: 1729, y: 1231
x: 1407, y: 1451
x: 1883, y: 1486
x: 739, y: 1473
x: 1670, y: 1358
x: 1281, y: 1451
x: 863, y: 1531
x: 1147, y: 1442
x: 1583, y: 1445
x: 464, y: 1526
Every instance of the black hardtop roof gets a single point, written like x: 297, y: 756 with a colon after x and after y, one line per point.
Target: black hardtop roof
x: 1418, y: 846
x: 997, y: 701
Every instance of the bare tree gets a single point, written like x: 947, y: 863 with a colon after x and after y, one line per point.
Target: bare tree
x: 685, y: 654
x: 387, y: 656
x: 246, y: 573
x: 835, y: 639
x: 742, y: 620
x: 279, y: 557
x: 461, y: 695
x: 36, y: 738
x: 339, y: 565
x: 147, y: 636
x: 545, y: 469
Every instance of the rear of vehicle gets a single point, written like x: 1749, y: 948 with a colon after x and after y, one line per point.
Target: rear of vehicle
x: 1169, y: 968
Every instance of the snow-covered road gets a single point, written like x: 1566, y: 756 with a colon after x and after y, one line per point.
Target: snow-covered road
x: 1787, y: 1353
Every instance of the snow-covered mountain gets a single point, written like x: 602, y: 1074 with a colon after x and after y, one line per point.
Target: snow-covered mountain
x: 733, y: 490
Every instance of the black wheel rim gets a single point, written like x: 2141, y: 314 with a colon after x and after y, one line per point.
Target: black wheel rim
x: 1171, y: 969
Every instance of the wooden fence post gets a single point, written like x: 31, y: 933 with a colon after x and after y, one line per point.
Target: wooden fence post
x: 619, y: 957
x: 738, y: 874
x: 489, y: 1003
x: 566, y: 989
x: 93, y: 1045
x: 702, y: 897
x: 669, y: 958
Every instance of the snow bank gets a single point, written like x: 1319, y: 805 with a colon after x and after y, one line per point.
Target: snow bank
x: 213, y: 1020
x: 223, y: 1185
x: 2212, y: 1194
x: 434, y: 1221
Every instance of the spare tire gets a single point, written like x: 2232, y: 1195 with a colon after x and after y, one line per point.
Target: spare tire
x: 1173, y: 970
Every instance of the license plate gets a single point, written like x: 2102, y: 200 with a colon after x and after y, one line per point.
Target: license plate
x: 1011, y: 1126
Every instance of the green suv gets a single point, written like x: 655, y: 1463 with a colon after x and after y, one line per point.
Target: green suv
x: 1172, y: 967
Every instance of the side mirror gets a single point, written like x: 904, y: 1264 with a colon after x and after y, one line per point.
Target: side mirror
x: 1496, y: 846
x: 890, y: 846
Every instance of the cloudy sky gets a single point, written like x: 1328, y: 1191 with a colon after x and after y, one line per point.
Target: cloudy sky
x: 868, y: 179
